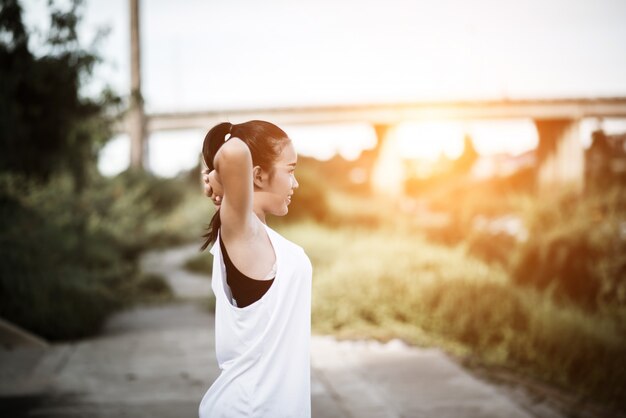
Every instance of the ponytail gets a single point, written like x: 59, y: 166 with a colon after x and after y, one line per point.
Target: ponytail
x: 213, y: 140
x: 211, y: 235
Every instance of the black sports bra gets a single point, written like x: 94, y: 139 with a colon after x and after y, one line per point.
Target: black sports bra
x: 245, y: 290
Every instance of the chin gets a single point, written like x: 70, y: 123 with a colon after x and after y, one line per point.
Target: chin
x: 281, y: 212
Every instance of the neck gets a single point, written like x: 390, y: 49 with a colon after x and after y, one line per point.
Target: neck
x: 258, y: 205
x: 260, y: 214
x: 257, y: 208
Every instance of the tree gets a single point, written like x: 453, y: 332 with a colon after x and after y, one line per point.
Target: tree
x: 464, y: 163
x: 45, y: 125
x: 598, y: 159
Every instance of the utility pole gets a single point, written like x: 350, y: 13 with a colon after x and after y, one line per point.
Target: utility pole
x: 136, y: 117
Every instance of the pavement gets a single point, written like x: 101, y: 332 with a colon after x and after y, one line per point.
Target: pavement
x: 158, y: 361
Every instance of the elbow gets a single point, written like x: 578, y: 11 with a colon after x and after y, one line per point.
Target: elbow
x: 233, y: 153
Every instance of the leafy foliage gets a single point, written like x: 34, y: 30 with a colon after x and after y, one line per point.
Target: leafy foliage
x: 70, y: 238
x: 45, y: 125
x: 68, y: 261
x: 576, y: 249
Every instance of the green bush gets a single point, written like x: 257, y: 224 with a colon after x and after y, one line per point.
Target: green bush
x: 70, y: 238
x: 66, y: 260
x: 310, y: 199
x: 201, y: 263
x: 574, y: 249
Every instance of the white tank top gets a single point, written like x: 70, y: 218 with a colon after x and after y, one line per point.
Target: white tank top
x: 263, y: 349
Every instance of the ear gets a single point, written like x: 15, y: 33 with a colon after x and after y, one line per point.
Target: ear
x: 259, y: 177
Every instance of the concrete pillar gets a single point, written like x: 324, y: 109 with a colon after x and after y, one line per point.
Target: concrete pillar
x: 387, y: 173
x: 561, y: 157
x: 136, y: 117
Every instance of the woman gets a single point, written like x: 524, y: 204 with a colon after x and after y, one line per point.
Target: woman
x: 261, y: 281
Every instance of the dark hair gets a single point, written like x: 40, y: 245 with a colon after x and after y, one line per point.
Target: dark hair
x: 265, y: 141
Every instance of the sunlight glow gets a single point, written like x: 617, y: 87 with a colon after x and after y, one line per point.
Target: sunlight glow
x: 428, y: 140
x: 388, y: 174
x: 503, y: 136
x: 324, y: 141
x: 420, y: 146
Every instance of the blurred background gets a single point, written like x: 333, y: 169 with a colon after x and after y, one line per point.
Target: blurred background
x: 462, y: 166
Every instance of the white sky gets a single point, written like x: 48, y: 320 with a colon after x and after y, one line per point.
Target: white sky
x: 218, y: 54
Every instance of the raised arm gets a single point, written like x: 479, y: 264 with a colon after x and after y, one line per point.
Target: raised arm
x: 233, y: 164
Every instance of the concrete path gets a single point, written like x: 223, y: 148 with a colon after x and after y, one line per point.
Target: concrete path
x: 169, y: 263
x: 159, y: 361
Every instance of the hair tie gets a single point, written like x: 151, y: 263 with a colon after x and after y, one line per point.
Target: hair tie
x: 227, y: 136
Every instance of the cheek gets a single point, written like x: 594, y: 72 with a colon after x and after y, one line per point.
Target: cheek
x: 283, y: 181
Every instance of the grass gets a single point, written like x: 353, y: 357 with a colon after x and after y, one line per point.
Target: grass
x: 388, y: 283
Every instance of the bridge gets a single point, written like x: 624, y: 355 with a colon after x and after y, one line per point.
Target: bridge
x: 395, y: 113
x: 560, y: 151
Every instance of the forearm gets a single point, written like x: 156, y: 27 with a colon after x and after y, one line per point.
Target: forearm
x: 233, y: 170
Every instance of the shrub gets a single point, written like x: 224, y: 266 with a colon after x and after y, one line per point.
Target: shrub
x: 68, y: 261
x: 492, y: 248
x: 201, y: 263
x: 575, y: 249
x: 310, y: 199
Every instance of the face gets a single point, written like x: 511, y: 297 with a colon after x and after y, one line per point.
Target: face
x: 283, y: 182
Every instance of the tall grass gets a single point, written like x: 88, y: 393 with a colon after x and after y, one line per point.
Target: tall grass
x: 389, y: 283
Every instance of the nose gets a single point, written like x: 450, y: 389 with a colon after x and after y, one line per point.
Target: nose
x: 294, y: 183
